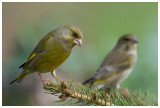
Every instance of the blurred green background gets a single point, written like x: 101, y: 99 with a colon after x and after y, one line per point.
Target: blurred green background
x: 24, y: 24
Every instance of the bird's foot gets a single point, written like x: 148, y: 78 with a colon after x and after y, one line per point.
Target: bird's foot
x: 125, y: 92
x: 61, y: 81
x: 46, y: 82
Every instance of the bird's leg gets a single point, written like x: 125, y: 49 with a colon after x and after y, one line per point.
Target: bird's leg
x: 53, y: 73
x: 125, y: 92
x: 40, y: 76
x: 43, y: 81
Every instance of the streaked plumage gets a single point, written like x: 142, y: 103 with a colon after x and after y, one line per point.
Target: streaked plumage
x: 51, y: 51
x: 117, y: 65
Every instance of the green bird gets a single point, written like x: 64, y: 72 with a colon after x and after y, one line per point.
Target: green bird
x: 117, y: 65
x: 51, y: 51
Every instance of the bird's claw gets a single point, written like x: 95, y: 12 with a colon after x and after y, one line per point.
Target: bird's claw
x: 46, y: 82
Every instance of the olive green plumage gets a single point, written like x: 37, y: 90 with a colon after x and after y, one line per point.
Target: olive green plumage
x: 51, y: 51
x: 117, y: 65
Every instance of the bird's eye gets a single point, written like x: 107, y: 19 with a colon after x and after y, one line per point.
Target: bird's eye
x: 75, y: 35
x: 126, y: 39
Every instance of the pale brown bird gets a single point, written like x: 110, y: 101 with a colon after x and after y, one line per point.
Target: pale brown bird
x: 117, y: 65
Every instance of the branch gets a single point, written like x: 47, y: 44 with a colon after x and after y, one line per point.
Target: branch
x: 78, y: 91
x: 119, y: 97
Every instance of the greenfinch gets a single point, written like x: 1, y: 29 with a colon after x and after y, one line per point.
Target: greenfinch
x: 51, y: 51
x: 117, y: 65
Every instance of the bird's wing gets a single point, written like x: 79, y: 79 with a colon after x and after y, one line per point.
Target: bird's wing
x: 41, y: 46
x: 114, y: 63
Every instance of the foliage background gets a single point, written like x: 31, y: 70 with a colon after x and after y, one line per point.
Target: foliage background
x: 24, y: 24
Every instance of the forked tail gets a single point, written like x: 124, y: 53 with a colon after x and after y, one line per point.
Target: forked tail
x: 20, y: 77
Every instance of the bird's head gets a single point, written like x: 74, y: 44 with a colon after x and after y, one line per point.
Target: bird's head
x: 127, y: 41
x: 71, y: 35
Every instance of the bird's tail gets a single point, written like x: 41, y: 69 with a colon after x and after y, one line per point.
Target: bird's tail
x: 20, y: 77
x: 89, y: 81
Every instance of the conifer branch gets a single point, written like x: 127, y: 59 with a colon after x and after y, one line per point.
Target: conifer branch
x: 86, y: 95
x: 78, y: 91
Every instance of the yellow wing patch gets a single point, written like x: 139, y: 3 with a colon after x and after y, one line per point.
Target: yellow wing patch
x: 32, y: 56
x: 50, y: 36
x: 99, y: 81
x: 103, y: 81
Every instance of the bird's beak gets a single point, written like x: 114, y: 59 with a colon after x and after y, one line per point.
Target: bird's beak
x: 78, y: 42
x: 134, y: 41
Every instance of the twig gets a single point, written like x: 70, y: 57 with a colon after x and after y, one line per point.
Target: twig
x: 66, y: 92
